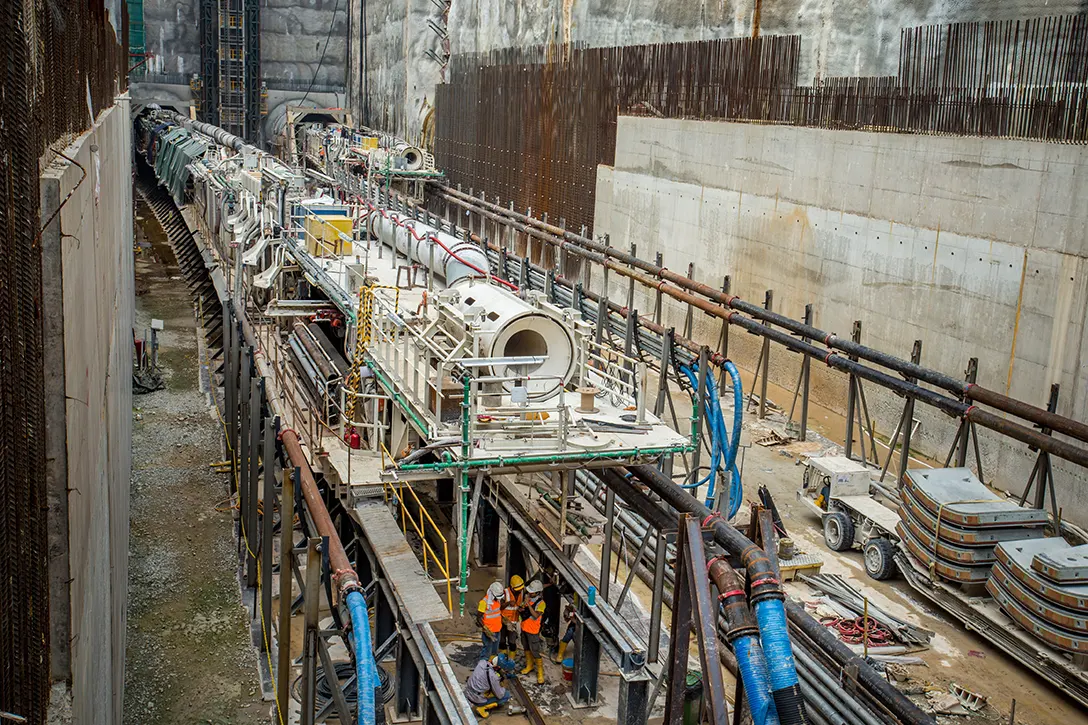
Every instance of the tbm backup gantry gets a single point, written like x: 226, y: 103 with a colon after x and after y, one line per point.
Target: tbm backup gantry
x: 407, y: 402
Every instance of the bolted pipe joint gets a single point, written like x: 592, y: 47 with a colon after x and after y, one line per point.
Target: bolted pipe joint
x: 738, y: 616
x: 764, y: 583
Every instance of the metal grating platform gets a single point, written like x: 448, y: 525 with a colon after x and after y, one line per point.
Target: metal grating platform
x: 411, y: 585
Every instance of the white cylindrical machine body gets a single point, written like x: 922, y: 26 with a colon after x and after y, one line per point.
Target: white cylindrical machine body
x: 413, y: 157
x: 455, y: 264
x: 512, y: 327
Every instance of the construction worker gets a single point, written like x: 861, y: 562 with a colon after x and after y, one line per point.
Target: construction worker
x: 568, y: 634
x: 512, y: 600
x: 489, y: 620
x: 484, y: 686
x: 531, y: 612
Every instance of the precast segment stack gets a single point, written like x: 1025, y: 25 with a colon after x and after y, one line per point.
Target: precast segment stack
x: 951, y: 521
x: 1042, y: 585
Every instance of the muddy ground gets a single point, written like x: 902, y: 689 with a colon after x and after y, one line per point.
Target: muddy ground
x: 189, y: 659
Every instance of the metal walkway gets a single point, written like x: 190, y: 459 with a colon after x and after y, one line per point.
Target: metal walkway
x: 412, y: 587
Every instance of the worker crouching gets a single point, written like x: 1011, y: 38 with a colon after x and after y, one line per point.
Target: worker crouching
x: 484, y: 686
x: 531, y: 612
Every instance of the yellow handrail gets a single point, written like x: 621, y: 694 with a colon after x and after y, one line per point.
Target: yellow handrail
x: 443, y: 565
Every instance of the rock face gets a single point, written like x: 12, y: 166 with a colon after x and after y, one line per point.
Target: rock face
x: 293, y: 38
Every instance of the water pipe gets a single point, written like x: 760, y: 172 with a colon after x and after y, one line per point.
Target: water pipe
x: 743, y: 635
x: 343, y: 574
x: 365, y: 669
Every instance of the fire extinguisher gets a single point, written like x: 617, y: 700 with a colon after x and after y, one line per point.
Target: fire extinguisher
x: 353, y: 439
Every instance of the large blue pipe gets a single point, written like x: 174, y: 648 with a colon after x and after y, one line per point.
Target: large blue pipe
x: 743, y: 637
x: 775, y: 638
x: 365, y: 669
x: 757, y: 685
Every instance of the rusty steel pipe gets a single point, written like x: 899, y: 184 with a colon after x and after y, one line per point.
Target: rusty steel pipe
x: 571, y: 241
x: 343, y: 572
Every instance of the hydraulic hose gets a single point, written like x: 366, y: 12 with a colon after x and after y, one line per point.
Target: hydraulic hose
x: 721, y: 445
x: 738, y: 545
x: 738, y: 412
x: 743, y: 638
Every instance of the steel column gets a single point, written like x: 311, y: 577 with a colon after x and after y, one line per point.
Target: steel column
x: 249, y: 510
x: 606, y: 545
x: 908, y: 418
x: 309, y: 653
x: 587, y: 661
x: 269, y: 499
x: 291, y: 479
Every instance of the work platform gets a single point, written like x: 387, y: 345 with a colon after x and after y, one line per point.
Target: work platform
x: 412, y: 587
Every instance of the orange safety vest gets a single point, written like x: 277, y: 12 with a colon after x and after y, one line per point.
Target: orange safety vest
x: 511, y: 603
x: 492, y: 617
x: 532, y: 624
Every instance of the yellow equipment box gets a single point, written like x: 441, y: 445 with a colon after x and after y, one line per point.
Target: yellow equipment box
x: 323, y: 234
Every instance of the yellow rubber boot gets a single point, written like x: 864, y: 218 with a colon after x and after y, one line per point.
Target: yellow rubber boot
x: 540, y: 671
x: 562, y: 650
x: 528, y: 663
x: 484, y: 711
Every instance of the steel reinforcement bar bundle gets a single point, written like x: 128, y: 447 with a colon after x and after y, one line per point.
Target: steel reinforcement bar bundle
x: 836, y: 353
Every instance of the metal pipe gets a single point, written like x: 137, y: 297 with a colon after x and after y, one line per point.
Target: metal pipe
x: 633, y: 532
x: 571, y: 241
x: 823, y: 679
x: 342, y: 571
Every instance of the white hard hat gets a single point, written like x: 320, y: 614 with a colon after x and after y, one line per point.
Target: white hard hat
x: 534, y: 587
x: 495, y: 590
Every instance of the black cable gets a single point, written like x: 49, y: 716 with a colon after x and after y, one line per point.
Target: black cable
x: 321, y: 62
x: 344, y: 672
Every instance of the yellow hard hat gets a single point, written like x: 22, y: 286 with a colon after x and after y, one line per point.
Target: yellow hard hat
x: 516, y: 583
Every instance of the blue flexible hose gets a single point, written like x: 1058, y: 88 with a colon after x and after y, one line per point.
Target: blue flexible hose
x: 365, y: 669
x: 719, y: 437
x: 738, y: 412
x: 757, y: 686
x: 774, y: 636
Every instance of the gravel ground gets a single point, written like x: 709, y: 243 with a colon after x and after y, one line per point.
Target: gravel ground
x: 189, y: 658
